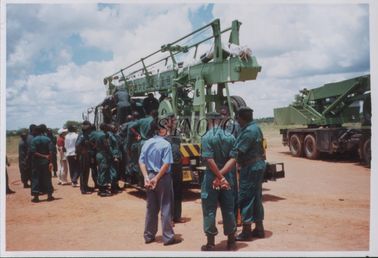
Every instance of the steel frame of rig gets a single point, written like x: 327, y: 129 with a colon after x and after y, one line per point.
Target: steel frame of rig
x: 192, y: 90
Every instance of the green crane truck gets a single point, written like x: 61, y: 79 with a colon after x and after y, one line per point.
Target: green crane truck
x: 336, y: 116
x: 191, y: 89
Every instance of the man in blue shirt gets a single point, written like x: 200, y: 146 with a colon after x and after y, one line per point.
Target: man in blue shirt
x: 155, y: 163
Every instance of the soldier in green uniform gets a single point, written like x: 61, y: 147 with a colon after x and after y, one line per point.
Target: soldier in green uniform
x: 54, y: 161
x: 123, y: 132
x: 92, y: 153
x: 115, y: 160
x: 41, y: 165
x: 22, y: 159
x: 143, y: 125
x: 250, y: 156
x: 216, y: 187
x: 139, y: 132
x: 83, y: 152
x: 104, y: 160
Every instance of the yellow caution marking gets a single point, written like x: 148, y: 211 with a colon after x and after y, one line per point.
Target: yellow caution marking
x: 190, y: 150
x: 193, y: 150
x: 184, y: 152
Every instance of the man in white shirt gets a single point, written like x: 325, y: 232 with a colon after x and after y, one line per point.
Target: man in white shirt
x: 69, y: 144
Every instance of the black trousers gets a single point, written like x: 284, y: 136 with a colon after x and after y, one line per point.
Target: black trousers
x: 25, y: 177
x: 41, y: 179
x: 54, y: 162
x: 84, y: 172
x: 122, y: 113
x: 73, y: 164
x: 93, y: 165
x: 177, y: 191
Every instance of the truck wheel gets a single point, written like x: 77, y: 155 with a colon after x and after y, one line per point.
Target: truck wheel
x: 296, y: 146
x: 366, y: 151
x: 310, y: 149
x: 237, y: 102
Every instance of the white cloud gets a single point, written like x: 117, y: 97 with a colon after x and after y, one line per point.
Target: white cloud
x: 128, y: 31
x: 56, y: 97
x: 297, y: 45
x: 298, y: 39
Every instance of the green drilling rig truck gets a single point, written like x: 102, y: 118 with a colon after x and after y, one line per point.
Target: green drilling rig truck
x: 336, y: 116
x: 191, y: 85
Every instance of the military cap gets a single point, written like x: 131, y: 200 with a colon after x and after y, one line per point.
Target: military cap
x: 213, y: 115
x: 245, y: 109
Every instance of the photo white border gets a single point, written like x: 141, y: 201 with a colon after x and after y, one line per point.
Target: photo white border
x: 373, y: 17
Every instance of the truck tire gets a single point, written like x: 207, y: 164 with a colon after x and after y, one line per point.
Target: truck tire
x: 365, y: 150
x: 237, y: 102
x: 296, y: 147
x: 310, y: 149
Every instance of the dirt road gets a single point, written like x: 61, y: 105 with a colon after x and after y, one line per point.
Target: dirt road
x: 321, y: 205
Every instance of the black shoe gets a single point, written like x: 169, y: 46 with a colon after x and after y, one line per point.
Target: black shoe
x: 148, y: 241
x: 26, y: 185
x: 173, y: 241
x: 9, y: 191
x: 50, y: 198
x: 35, y: 199
x: 104, y: 194
x: 243, y: 236
x: 258, y: 233
x: 115, y: 190
x: 207, y: 247
x: 231, y: 245
x: 85, y: 192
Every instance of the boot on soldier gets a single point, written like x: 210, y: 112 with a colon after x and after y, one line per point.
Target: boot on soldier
x: 103, y: 192
x: 115, y: 188
x: 210, y: 243
x: 50, y: 197
x: 231, y: 242
x: 258, y: 231
x: 35, y: 198
x: 246, y: 234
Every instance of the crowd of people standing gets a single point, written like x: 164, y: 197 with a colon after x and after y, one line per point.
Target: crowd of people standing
x: 148, y: 148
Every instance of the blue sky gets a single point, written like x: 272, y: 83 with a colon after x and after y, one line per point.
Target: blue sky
x: 58, y: 54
